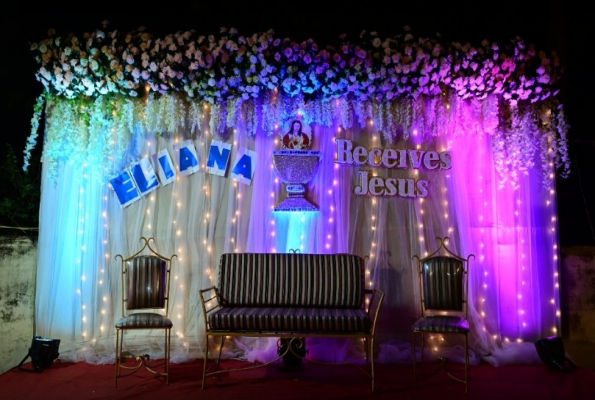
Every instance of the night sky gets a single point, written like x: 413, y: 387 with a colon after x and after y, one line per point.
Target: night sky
x: 549, y: 26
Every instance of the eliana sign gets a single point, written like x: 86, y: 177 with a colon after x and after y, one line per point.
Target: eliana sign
x: 390, y: 158
x: 140, y: 178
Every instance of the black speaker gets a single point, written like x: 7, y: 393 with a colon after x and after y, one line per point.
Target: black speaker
x: 43, y: 352
x: 551, y: 352
x: 293, y: 351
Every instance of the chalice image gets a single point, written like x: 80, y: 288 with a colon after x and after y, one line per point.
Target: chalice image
x: 296, y: 166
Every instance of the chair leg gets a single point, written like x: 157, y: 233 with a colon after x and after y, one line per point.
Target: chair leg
x: 372, y: 361
x: 118, y: 354
x: 466, y: 362
x: 141, y: 360
x: 167, y: 354
x: 414, y: 356
x: 423, y: 348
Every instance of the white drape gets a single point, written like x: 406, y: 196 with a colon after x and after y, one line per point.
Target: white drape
x: 511, y: 232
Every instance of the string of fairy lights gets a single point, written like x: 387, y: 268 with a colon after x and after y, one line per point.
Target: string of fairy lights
x: 329, y: 208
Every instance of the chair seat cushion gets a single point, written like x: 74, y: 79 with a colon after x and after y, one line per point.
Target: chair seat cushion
x: 144, y: 320
x: 441, y: 323
x: 290, y: 319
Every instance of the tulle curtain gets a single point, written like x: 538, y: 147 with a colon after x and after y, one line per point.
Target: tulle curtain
x: 509, y: 232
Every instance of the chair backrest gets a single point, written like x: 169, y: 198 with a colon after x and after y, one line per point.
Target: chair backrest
x: 443, y: 281
x: 443, y: 284
x: 145, y: 281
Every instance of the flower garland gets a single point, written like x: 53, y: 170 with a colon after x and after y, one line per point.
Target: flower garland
x: 217, y: 69
x: 397, y: 82
x: 32, y: 139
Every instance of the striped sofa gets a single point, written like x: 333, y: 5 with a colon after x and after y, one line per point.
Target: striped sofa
x: 291, y: 296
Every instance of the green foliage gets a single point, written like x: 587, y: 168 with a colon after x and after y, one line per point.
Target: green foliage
x: 19, y: 193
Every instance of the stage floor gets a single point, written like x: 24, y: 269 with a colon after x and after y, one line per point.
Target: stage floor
x: 314, y: 381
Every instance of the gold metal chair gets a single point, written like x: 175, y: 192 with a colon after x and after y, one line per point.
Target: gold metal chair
x: 145, y: 301
x: 443, y: 286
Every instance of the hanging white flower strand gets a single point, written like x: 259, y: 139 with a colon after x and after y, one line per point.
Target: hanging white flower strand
x: 32, y: 139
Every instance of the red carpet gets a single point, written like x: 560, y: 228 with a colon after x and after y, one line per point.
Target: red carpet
x: 86, y: 381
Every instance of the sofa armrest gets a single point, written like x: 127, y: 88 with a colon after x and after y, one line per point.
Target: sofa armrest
x: 374, y: 299
x: 210, y: 301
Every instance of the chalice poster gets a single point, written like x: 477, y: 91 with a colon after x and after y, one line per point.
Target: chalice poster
x: 296, y: 164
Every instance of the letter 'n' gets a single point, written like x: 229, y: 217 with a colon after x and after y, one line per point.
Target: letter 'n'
x: 219, y: 155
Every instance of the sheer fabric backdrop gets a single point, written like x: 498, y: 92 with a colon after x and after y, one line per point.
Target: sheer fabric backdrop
x: 511, y: 231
